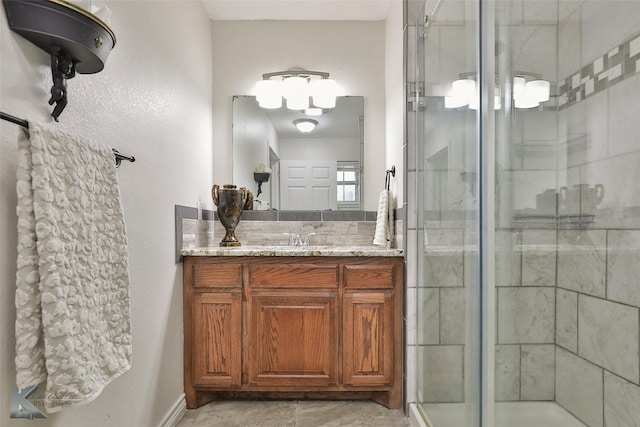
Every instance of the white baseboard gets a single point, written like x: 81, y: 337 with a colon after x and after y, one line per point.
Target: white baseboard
x: 415, y: 417
x: 175, y: 413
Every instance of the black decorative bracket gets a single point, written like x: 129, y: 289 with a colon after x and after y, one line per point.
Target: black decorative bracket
x: 260, y: 177
x: 62, y: 68
x: 76, y: 40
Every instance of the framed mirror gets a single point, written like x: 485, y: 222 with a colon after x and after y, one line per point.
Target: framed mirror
x: 288, y: 169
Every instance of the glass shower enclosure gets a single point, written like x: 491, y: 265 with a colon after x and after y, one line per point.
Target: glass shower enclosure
x: 527, y: 144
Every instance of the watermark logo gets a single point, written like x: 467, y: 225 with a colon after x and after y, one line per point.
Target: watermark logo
x: 21, y: 407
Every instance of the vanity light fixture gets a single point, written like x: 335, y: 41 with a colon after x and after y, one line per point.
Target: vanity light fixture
x: 305, y: 125
x: 296, y: 87
x: 526, y: 94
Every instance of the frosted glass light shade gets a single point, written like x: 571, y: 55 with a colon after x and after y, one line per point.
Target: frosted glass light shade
x: 464, y: 87
x: 296, y: 92
x: 462, y: 93
x: 525, y: 102
x: 305, y: 125
x: 324, y: 92
x: 455, y: 101
x: 538, y: 90
x: 268, y: 93
x: 519, y: 84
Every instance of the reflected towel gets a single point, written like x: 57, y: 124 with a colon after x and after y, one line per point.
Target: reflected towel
x: 72, y: 284
x: 384, y: 221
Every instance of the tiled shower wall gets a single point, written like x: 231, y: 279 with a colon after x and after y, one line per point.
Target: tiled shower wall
x: 568, y: 296
x: 598, y: 267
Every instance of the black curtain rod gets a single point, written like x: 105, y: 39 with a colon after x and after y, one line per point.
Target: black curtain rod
x: 25, y: 124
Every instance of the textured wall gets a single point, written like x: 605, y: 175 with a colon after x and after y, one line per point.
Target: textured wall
x: 152, y: 101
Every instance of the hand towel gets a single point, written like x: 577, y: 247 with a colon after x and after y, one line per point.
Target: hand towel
x: 72, y: 284
x: 384, y: 220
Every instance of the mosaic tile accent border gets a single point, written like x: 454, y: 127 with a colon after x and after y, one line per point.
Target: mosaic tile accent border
x: 619, y: 63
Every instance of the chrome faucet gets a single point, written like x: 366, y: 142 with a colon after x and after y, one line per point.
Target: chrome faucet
x: 306, y: 238
x: 296, y: 240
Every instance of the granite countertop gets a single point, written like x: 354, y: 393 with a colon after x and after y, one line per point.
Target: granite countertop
x: 352, y: 251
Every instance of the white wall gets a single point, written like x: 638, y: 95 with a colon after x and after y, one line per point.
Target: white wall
x: 253, y: 134
x: 152, y: 101
x: 343, y: 149
x: 394, y: 92
x: 352, y: 52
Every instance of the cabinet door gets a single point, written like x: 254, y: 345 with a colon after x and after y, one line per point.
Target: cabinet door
x: 368, y: 338
x: 293, y: 339
x: 217, y: 339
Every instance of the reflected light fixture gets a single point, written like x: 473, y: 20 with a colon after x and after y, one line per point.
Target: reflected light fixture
x: 305, y: 125
x: 526, y: 94
x: 296, y: 87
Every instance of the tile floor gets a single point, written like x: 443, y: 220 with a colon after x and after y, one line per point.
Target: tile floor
x: 298, y: 413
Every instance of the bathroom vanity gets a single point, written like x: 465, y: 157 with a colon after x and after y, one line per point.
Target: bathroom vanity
x: 286, y: 322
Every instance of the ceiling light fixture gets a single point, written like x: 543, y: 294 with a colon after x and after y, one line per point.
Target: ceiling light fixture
x: 526, y: 94
x: 305, y: 125
x: 296, y: 87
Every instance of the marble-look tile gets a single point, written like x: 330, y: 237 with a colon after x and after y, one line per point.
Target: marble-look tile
x: 412, y: 199
x: 607, y: 24
x: 452, y: 316
x: 507, y: 373
x: 442, y: 373
x: 277, y: 413
x: 526, y: 315
x: 239, y: 413
x: 521, y: 187
x: 538, y: 372
x: 453, y: 49
x: 567, y: 7
x: 429, y: 316
x: 540, y: 134
x: 347, y: 413
x: 443, y: 268
x: 508, y: 258
x: 579, y: 387
x: 624, y: 125
x: 526, y: 41
x: 411, y: 374
x: 619, y: 176
x: 569, y: 59
x: 623, y: 266
x: 541, y: 12
x: 445, y: 237
x: 567, y: 319
x: 585, y: 128
x: 581, y: 261
x: 539, y: 258
x: 608, y: 336
x: 621, y: 402
x: 411, y: 316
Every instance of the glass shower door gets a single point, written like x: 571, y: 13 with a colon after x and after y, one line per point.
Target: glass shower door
x: 448, y: 351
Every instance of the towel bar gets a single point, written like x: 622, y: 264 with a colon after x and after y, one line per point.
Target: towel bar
x: 20, y: 122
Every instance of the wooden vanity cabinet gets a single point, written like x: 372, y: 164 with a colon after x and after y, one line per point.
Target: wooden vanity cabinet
x: 293, y: 327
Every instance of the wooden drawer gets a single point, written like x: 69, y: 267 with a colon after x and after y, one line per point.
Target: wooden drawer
x: 293, y: 275
x: 369, y: 276
x: 217, y: 275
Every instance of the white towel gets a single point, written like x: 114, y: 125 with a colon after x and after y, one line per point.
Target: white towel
x: 72, y: 286
x: 384, y: 221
